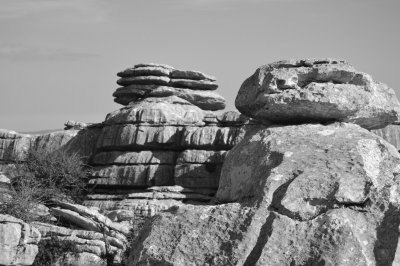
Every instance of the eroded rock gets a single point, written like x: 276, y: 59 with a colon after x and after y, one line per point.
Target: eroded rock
x: 292, y: 92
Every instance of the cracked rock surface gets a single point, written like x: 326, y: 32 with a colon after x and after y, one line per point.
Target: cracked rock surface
x: 303, y: 91
x: 294, y: 195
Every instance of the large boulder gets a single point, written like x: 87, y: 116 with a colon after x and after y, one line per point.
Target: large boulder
x: 292, y: 92
x: 306, y: 195
x: 18, y: 241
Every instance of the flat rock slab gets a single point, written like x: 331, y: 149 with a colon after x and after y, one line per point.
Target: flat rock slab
x: 204, y: 99
x: 170, y: 110
x: 293, y: 92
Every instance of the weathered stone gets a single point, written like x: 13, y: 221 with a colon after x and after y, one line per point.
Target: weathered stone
x: 232, y: 118
x: 197, y: 175
x: 153, y: 65
x: 136, y: 207
x: 18, y: 241
x: 201, y: 157
x: 70, y: 124
x: 84, y: 241
x: 308, y: 195
x: 169, y: 110
x: 145, y: 71
x: 190, y: 74
x: 128, y: 136
x: 204, y: 99
x: 140, y: 157
x: 151, y: 80
x: 14, y: 146
x: 304, y: 91
x: 193, y: 84
x: 391, y: 134
x: 133, y: 175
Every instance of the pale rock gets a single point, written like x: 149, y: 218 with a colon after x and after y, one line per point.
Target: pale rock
x: 305, y: 197
x: 150, y: 80
x: 169, y: 110
x: 190, y: 74
x: 292, y: 92
x: 139, y: 157
x: 18, y: 241
x: 133, y: 175
x: 145, y: 71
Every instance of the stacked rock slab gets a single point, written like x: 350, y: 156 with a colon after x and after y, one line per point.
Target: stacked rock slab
x: 303, y: 194
x: 157, y: 80
x: 157, y: 152
x: 166, y: 147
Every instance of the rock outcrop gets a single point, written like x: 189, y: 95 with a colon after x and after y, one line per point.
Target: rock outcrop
x: 166, y: 146
x: 15, y: 146
x: 303, y: 194
x: 92, y: 238
x: 303, y: 91
x: 18, y: 241
x: 156, y: 80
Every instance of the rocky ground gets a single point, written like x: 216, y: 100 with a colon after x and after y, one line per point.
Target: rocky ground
x: 307, y: 174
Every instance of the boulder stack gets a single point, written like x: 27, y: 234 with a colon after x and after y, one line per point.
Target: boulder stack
x: 167, y: 145
x: 315, y: 191
x: 158, y: 80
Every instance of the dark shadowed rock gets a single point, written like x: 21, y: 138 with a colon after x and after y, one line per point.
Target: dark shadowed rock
x: 291, y: 92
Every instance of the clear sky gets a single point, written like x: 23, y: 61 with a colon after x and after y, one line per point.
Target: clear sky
x: 58, y: 59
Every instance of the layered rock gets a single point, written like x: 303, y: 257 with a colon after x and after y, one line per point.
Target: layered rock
x: 15, y: 146
x: 301, y: 91
x: 161, y: 142
x: 304, y: 194
x: 93, y: 237
x: 18, y: 241
x: 155, y: 80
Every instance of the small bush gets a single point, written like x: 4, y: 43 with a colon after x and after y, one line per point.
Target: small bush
x: 26, y: 192
x: 43, y: 177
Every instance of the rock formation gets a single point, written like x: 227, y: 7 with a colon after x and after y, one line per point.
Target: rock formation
x: 18, y: 241
x: 302, y: 91
x: 162, y: 149
x: 303, y: 194
x: 156, y: 80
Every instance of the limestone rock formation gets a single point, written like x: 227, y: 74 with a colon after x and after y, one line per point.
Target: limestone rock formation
x: 15, y: 146
x: 309, y: 194
x: 18, y: 241
x: 93, y: 236
x: 155, y: 80
x: 164, y: 142
x: 303, y: 194
x: 301, y: 91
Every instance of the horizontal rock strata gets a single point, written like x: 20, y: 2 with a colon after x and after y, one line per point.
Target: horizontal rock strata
x: 156, y: 80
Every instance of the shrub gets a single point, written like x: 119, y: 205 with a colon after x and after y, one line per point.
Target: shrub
x: 45, y: 176
x: 25, y: 194
x: 59, y: 173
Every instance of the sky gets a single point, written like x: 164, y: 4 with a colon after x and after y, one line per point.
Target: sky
x: 59, y: 59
